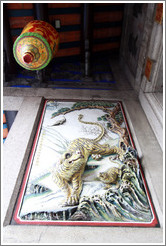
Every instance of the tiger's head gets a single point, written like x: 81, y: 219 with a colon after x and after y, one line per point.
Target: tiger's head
x: 103, y: 176
x: 74, y: 158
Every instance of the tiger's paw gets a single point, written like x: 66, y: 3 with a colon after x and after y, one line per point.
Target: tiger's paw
x: 96, y: 157
x: 71, y: 201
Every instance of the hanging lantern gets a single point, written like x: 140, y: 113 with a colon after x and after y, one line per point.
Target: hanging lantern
x: 36, y: 45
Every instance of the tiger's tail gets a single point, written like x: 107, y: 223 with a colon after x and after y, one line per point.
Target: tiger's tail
x: 93, y: 123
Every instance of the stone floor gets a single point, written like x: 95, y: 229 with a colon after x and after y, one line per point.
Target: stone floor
x: 28, y: 102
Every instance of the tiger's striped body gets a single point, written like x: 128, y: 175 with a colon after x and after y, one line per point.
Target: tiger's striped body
x: 68, y: 172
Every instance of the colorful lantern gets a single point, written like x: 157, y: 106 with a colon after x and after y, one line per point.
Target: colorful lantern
x: 36, y: 45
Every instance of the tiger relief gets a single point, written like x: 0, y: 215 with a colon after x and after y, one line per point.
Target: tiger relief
x: 68, y: 172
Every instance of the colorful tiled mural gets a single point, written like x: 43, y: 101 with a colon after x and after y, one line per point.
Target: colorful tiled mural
x: 84, y: 170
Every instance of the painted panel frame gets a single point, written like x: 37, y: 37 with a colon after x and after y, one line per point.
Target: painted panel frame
x: 49, y: 103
